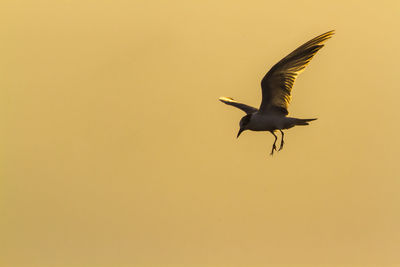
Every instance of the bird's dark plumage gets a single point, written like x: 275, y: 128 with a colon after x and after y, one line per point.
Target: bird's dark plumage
x: 278, y: 82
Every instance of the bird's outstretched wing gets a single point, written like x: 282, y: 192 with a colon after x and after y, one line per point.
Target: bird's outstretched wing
x: 278, y: 82
x: 244, y: 107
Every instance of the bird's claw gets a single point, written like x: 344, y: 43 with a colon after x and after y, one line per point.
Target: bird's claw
x: 273, y: 148
x: 281, y: 146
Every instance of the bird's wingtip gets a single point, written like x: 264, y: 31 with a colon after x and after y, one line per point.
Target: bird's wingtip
x: 330, y: 33
x: 226, y: 99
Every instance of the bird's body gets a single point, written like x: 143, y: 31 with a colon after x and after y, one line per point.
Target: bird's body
x: 270, y: 122
x: 276, y: 93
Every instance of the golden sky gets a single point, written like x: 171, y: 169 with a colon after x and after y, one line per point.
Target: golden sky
x: 116, y: 151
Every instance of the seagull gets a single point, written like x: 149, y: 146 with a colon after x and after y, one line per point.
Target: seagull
x: 276, y: 93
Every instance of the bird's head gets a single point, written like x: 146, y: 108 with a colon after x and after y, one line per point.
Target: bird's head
x: 244, y: 122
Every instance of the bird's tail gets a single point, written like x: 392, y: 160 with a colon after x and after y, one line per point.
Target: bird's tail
x: 303, y: 121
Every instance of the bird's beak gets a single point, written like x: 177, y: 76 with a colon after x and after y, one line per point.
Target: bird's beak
x: 240, y: 131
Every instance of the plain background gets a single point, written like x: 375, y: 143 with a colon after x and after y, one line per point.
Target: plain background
x: 115, y: 150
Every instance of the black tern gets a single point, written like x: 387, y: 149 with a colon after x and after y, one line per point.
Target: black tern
x: 276, y: 93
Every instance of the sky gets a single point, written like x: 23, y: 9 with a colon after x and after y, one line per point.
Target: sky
x: 115, y: 150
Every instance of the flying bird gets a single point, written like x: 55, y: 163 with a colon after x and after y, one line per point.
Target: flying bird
x: 276, y: 93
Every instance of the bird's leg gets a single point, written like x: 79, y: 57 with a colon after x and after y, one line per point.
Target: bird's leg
x: 282, y: 142
x: 273, y: 146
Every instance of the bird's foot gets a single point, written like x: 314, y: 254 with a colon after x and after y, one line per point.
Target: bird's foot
x: 272, y: 151
x: 281, y: 146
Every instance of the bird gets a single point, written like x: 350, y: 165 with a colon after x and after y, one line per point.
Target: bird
x: 277, y: 84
